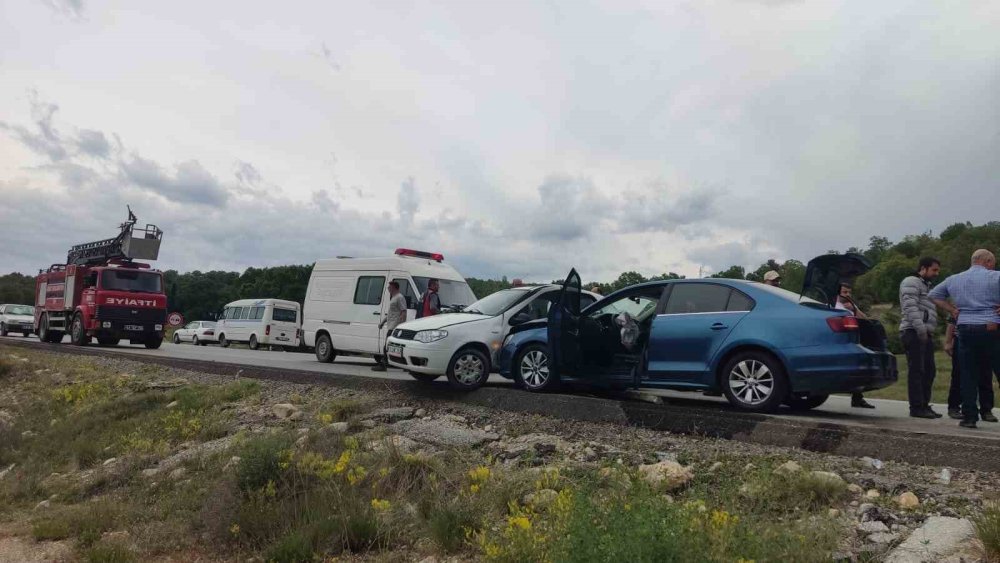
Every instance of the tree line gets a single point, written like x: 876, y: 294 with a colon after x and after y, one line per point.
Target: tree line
x: 200, y: 295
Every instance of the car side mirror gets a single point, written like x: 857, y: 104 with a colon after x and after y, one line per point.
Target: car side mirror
x: 519, y: 319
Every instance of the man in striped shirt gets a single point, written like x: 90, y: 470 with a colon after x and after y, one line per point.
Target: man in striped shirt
x: 973, y: 297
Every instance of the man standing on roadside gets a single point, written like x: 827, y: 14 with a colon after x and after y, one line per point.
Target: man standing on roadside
x: 919, y: 319
x: 846, y: 303
x: 772, y: 278
x: 395, y: 315
x: 953, y: 348
x: 975, y: 301
x: 430, y: 302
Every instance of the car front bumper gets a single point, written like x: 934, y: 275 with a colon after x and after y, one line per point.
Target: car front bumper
x: 431, y: 358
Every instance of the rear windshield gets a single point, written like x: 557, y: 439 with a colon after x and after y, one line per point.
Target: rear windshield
x: 20, y: 310
x: 283, y: 315
x: 453, y: 294
x: 131, y: 280
x: 788, y: 295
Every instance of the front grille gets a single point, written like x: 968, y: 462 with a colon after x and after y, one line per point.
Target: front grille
x: 131, y: 314
x: 403, y: 334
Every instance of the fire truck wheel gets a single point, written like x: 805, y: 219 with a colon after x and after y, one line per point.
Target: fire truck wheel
x: 153, y: 342
x: 177, y: 339
x: 78, y: 335
x: 3, y: 329
x: 253, y: 342
x: 47, y: 335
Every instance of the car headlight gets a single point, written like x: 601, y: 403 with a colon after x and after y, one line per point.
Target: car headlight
x: 426, y: 336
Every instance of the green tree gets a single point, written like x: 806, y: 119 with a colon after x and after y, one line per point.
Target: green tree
x: 733, y: 273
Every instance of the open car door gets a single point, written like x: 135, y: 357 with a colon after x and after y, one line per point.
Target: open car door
x: 824, y: 274
x: 563, y: 334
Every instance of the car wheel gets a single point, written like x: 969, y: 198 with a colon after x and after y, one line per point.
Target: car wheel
x: 3, y: 329
x: 194, y: 340
x: 531, y: 369
x: 223, y: 342
x: 253, y: 342
x: 426, y: 377
x: 25, y: 334
x: 177, y: 338
x: 805, y: 403
x: 77, y: 334
x: 468, y: 369
x: 754, y: 381
x: 324, y: 349
x: 153, y: 342
x: 109, y: 341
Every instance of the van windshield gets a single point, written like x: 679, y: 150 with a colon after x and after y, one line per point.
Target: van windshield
x: 454, y: 294
x: 131, y: 280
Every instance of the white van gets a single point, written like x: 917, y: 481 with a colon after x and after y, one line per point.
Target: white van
x: 269, y: 322
x: 347, y: 297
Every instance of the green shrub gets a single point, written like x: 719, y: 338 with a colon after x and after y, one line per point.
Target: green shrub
x: 448, y: 525
x: 261, y: 461
x: 109, y: 553
x: 51, y: 529
x: 292, y: 548
x: 987, y: 526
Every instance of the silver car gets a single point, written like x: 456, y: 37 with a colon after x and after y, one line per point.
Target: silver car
x: 17, y: 318
x: 196, y: 332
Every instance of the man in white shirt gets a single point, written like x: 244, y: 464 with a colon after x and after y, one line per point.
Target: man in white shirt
x: 395, y: 315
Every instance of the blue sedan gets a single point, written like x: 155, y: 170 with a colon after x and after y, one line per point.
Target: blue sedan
x: 761, y: 346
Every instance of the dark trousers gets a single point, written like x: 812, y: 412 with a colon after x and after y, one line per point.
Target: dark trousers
x: 920, y: 369
x: 980, y: 350
x: 985, y: 384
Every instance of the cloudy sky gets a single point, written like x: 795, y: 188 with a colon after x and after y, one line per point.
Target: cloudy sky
x: 518, y: 138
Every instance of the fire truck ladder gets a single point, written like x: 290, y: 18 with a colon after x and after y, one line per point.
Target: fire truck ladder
x: 131, y: 243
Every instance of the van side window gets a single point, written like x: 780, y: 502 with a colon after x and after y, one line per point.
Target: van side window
x: 235, y: 313
x: 257, y: 313
x: 245, y: 314
x: 369, y: 290
x: 280, y: 315
x: 406, y: 290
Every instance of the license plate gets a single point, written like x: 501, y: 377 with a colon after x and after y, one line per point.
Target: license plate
x: 134, y: 328
x: 394, y: 349
x: 282, y: 338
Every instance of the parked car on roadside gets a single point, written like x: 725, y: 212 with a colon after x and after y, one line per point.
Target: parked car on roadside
x: 196, y: 332
x: 760, y: 346
x: 464, y: 345
x: 17, y: 318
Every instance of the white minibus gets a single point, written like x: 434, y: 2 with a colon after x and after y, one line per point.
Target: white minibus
x: 347, y: 297
x: 267, y: 322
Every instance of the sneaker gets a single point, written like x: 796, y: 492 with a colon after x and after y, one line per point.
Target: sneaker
x: 955, y: 413
x: 967, y: 424
x: 934, y: 412
x: 379, y: 367
x: 923, y: 413
x: 861, y: 404
x: 988, y: 417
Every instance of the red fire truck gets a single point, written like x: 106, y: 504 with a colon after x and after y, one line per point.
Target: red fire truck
x: 100, y: 292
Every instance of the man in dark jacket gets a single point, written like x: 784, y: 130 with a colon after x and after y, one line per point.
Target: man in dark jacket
x: 916, y: 327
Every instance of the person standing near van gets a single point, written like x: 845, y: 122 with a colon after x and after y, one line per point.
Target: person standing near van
x: 395, y: 315
x: 919, y: 318
x: 430, y: 302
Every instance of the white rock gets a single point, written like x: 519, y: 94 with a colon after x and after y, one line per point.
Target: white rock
x: 788, y: 468
x: 829, y: 477
x: 420, y: 413
x: 667, y: 475
x: 110, y: 461
x: 338, y: 427
x: 944, y: 477
x: 151, y: 472
x: 715, y: 467
x: 178, y: 473
x: 488, y: 428
x: 172, y: 405
x: 883, y: 538
x: 285, y: 411
x: 833, y: 513
x: 27, y: 434
x: 872, y: 493
x: 872, y: 527
x: 6, y: 471
x: 540, y: 499
x: 855, y: 489
x: 937, y: 539
x: 908, y: 500
x: 42, y: 505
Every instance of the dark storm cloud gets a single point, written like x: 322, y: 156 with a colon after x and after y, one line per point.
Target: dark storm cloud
x: 191, y: 182
x: 665, y: 211
x: 569, y: 208
x: 43, y: 138
x: 93, y: 143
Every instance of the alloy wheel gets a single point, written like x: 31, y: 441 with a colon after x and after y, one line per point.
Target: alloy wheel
x: 751, y: 381
x: 535, y: 368
x: 468, y: 369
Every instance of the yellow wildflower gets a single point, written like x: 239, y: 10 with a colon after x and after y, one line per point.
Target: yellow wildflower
x: 520, y: 522
x: 234, y: 529
x: 380, y: 504
x: 326, y: 418
x: 479, y: 474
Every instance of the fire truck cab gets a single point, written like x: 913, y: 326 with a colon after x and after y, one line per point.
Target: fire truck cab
x: 102, y: 293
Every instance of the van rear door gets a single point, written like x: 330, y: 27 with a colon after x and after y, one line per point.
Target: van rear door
x: 284, y: 319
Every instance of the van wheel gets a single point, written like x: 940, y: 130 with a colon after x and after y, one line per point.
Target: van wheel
x: 754, y: 381
x: 324, y: 349
x: 805, y: 403
x: 531, y: 369
x: 468, y: 369
x: 77, y: 335
x: 253, y: 342
x: 176, y: 339
x: 223, y: 342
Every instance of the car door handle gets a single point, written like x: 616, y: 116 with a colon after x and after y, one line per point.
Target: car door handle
x: 376, y: 313
x: 719, y: 326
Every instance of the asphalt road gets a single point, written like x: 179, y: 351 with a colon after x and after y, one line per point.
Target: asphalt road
x: 889, y: 415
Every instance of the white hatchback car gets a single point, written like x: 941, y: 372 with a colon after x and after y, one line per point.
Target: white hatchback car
x: 17, y: 318
x: 464, y: 346
x: 196, y: 332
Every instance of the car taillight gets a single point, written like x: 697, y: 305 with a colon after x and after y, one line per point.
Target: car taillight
x: 844, y: 323
x: 267, y: 330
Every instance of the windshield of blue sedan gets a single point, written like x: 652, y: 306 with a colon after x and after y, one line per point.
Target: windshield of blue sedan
x: 496, y: 303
